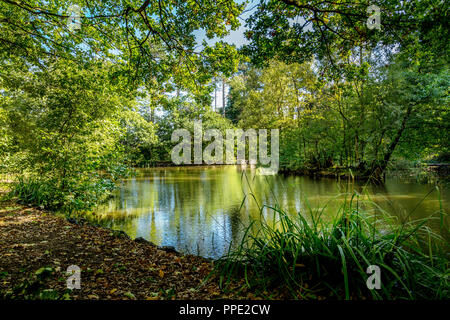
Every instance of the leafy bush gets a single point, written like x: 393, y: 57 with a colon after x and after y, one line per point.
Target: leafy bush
x: 47, y: 193
x: 65, y: 123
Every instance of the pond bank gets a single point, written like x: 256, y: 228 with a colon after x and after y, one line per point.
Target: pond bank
x: 428, y: 173
x: 36, y: 248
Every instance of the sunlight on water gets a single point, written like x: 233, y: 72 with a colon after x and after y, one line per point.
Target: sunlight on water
x: 200, y: 210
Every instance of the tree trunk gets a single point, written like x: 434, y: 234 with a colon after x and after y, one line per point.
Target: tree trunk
x: 379, y: 168
x: 223, y: 97
x: 215, y: 95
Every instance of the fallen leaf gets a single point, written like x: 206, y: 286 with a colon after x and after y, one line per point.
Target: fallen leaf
x: 129, y: 295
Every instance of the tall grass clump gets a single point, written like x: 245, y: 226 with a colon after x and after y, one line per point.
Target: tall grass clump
x: 302, y: 257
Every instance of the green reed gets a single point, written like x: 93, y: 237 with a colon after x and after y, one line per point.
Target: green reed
x: 303, y: 257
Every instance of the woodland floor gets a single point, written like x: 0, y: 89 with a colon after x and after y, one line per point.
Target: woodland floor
x: 36, y: 248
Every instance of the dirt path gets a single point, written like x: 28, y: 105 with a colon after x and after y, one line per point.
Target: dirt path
x: 36, y: 248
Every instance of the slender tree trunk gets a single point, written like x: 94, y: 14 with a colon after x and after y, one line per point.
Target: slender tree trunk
x: 223, y: 96
x: 215, y: 95
x: 378, y: 170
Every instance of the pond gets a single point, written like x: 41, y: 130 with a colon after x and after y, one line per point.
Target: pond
x: 201, y: 210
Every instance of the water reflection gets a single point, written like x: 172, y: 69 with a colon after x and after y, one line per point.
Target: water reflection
x: 201, y: 210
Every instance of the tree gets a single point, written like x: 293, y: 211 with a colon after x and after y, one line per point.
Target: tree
x: 295, y: 30
x: 354, y: 61
x: 151, y: 42
x: 64, y: 124
x: 360, y: 122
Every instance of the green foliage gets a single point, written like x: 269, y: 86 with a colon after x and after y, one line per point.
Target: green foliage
x: 79, y: 105
x: 47, y: 193
x: 361, y: 122
x: 308, y: 258
x: 64, y: 122
x: 4, y: 140
x: 151, y: 42
x: 374, y: 95
x: 295, y: 31
x: 33, y: 288
x: 139, y: 138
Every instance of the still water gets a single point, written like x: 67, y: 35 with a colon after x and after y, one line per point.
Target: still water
x: 201, y: 210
